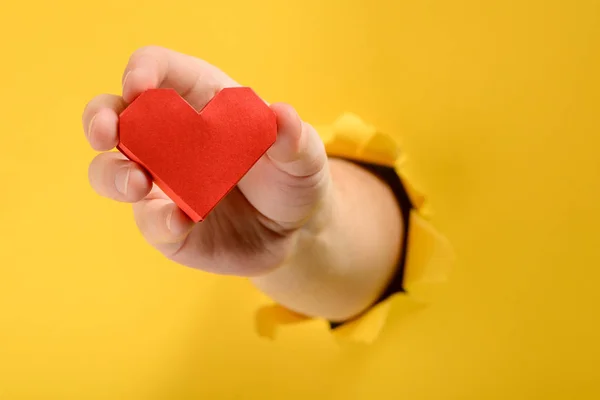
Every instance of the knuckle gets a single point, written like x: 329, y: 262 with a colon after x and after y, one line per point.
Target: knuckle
x: 95, y: 104
x: 151, y: 51
x: 313, y: 162
x: 151, y: 221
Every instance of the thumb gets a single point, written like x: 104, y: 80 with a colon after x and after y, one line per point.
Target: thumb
x: 298, y: 149
x: 287, y: 184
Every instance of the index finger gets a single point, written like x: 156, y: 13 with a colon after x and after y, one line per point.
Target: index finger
x: 152, y: 67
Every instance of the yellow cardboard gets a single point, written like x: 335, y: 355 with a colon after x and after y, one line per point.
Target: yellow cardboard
x: 495, y: 105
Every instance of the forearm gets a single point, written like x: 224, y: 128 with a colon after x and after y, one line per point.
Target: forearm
x: 340, y: 270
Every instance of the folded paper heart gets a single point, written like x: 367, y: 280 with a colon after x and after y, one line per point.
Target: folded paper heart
x: 196, y: 158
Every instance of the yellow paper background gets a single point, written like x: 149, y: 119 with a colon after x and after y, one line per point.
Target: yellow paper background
x: 497, y: 107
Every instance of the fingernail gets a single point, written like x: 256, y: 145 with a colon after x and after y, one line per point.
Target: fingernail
x: 125, y: 79
x: 88, y: 133
x: 177, y: 224
x: 122, y: 180
x: 169, y: 217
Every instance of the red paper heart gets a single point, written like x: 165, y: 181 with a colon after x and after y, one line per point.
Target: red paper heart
x: 196, y: 158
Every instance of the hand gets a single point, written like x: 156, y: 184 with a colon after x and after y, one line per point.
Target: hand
x: 254, y: 228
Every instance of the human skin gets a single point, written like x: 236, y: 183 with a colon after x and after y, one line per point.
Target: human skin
x: 320, y: 236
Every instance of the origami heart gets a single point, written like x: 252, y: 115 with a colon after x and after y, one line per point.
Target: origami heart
x: 196, y: 158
